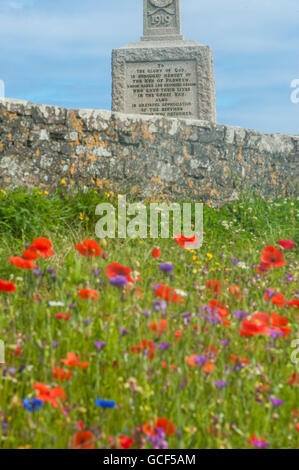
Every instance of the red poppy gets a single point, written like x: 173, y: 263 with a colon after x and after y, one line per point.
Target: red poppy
x: 125, y: 442
x: 236, y: 292
x: 7, y: 286
x: 161, y: 423
x: 272, y: 257
x: 89, y: 248
x: 221, y: 310
x: 294, y: 303
x: 294, y: 380
x: 276, y: 299
x: 88, y: 294
x: 258, y: 324
x: 72, y: 360
x: 215, y: 303
x: 52, y: 395
x: 214, y: 286
x: 262, y: 388
x: 238, y: 359
x: 277, y: 320
x: 22, y: 263
x: 160, y: 327
x: 263, y: 268
x: 286, y: 244
x: 156, y: 253
x: 211, y: 350
x: 268, y: 294
x: 279, y: 324
x: 178, y: 334
x: 17, y: 351
x: 62, y: 374
x: 208, y: 367
x: 186, y: 242
x: 42, y: 246
x: 30, y: 254
x: 116, y: 269
x: 167, y: 426
x: 170, y: 295
x: 146, y: 346
x: 63, y: 316
x: 83, y: 440
x: 80, y: 425
x: 164, y: 365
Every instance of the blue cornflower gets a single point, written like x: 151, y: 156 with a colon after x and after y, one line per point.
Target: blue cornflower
x: 32, y: 404
x: 105, y: 403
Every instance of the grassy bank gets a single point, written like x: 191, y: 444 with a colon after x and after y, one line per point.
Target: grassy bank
x: 182, y: 359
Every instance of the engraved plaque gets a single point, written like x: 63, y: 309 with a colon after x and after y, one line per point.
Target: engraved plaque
x: 168, y: 88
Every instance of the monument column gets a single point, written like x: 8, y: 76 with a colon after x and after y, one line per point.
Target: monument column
x: 161, y: 20
x: 164, y: 74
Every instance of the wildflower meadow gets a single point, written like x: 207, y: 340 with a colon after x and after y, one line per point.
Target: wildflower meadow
x: 144, y: 343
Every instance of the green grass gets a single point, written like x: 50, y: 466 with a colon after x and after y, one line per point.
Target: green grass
x: 204, y: 416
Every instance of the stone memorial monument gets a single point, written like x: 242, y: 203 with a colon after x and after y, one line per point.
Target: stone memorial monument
x: 163, y: 73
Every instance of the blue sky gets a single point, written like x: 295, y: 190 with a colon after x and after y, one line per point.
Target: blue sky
x: 59, y: 52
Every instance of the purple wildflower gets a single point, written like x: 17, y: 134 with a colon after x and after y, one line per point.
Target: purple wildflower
x: 240, y: 314
x: 258, y: 443
x: 96, y: 272
x: 118, y: 281
x: 146, y: 313
x: 270, y: 293
x: 156, y: 286
x: 210, y: 314
x: 99, y: 345
x: 164, y: 346
x: 123, y: 331
x: 276, y: 401
x: 276, y: 334
x: 187, y: 317
x: 200, y: 360
x: 159, y: 305
x: 158, y: 440
x: 4, y: 425
x: 166, y: 267
x: 220, y: 383
x: 224, y: 342
x: 37, y: 272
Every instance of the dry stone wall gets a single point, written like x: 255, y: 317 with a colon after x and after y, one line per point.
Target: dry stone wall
x: 149, y: 156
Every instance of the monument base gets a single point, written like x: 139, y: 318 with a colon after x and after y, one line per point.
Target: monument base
x: 171, y: 78
x: 172, y: 37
